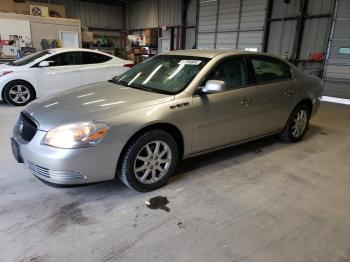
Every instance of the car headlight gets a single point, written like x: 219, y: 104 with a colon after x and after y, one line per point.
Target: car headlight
x: 76, y: 135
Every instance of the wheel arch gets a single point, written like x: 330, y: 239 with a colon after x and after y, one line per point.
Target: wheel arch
x: 306, y: 101
x: 15, y: 80
x: 173, y: 130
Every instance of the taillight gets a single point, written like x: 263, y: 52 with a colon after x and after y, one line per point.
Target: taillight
x: 128, y: 65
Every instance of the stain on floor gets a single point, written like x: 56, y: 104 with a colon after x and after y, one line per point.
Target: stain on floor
x: 158, y: 202
x: 70, y: 214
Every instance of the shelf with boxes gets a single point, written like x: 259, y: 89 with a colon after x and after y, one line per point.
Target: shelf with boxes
x: 141, y: 44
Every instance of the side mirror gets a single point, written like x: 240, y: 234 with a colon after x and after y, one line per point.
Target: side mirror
x: 214, y: 86
x: 44, y: 64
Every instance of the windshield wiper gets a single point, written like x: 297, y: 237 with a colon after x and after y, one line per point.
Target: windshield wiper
x: 114, y: 80
x: 140, y: 87
x: 145, y: 88
x: 150, y: 89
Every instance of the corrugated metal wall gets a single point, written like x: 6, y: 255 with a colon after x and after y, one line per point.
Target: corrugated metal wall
x: 153, y: 13
x: 337, y: 69
x: 316, y: 30
x: 103, y: 16
x: 231, y: 24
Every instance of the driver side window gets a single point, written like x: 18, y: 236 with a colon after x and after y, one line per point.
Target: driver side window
x: 232, y: 71
x: 65, y: 59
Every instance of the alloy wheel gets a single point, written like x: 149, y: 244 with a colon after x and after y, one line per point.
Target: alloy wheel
x: 152, y: 162
x: 299, y: 123
x: 19, y: 94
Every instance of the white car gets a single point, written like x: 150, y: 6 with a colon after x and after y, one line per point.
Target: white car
x: 47, y: 72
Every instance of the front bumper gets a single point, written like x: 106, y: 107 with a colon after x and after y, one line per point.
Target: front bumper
x: 67, y: 166
x: 316, y: 105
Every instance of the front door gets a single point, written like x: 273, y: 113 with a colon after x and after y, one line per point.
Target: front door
x: 62, y: 74
x: 225, y: 117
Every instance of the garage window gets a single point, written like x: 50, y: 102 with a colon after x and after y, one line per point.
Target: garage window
x: 267, y: 70
x: 94, y: 58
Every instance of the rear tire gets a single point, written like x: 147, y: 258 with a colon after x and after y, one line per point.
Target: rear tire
x: 18, y: 93
x: 297, y: 124
x: 149, y: 161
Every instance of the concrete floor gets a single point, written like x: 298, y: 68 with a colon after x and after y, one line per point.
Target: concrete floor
x: 262, y: 201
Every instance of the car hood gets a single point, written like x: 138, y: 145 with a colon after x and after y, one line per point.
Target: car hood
x: 97, y: 102
x: 5, y: 67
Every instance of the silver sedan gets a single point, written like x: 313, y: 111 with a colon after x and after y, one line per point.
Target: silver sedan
x: 181, y: 104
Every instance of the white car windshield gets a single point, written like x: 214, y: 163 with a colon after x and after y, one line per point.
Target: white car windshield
x: 30, y: 58
x: 168, y: 74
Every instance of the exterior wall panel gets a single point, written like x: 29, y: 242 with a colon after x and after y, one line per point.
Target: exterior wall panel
x: 337, y: 68
x: 281, y: 38
x: 228, y: 15
x: 281, y: 9
x: 315, y: 36
x: 191, y: 13
x: 226, y: 40
x: 320, y: 7
x: 316, y: 30
x: 231, y: 23
x: 142, y: 14
x: 147, y: 14
x: 97, y: 15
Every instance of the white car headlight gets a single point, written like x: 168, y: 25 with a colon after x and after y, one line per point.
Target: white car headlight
x: 83, y: 134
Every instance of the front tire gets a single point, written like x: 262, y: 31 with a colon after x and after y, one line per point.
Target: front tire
x: 297, y: 124
x: 149, y: 161
x: 18, y: 93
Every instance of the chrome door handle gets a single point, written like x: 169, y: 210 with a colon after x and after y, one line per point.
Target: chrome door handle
x: 288, y: 93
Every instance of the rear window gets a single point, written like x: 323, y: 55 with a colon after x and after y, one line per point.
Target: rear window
x: 269, y: 69
x: 94, y: 58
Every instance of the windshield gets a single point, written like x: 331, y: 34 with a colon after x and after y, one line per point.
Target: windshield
x: 166, y: 74
x: 28, y: 59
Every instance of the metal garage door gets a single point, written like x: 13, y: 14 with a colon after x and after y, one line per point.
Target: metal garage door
x: 337, y: 68
x: 231, y: 24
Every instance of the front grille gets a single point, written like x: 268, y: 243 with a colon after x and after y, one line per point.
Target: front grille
x: 55, y: 175
x: 26, y: 127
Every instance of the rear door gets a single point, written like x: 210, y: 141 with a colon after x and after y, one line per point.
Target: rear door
x: 97, y: 67
x: 225, y: 117
x: 275, y: 92
x: 61, y: 74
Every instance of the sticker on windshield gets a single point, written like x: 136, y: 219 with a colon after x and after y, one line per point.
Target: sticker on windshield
x: 190, y: 62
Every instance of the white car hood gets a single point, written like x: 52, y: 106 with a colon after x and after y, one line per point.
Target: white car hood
x: 5, y: 67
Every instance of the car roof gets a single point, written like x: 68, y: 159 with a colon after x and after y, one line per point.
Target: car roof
x: 209, y: 53
x: 62, y: 49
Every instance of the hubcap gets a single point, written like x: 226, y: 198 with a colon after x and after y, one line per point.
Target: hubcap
x: 19, y: 94
x: 300, y: 122
x: 152, y: 162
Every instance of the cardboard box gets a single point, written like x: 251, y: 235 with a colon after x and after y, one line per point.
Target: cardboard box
x: 6, y: 6
x: 9, y: 51
x: 131, y: 57
x: 137, y: 51
x: 149, y: 33
x: 151, y: 41
x: 87, y: 37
